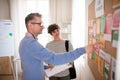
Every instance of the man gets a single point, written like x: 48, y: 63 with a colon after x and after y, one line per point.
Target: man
x: 33, y: 54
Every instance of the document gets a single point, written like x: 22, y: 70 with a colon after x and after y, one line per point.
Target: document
x: 108, y: 27
x: 6, y: 38
x: 99, y: 8
x: 116, y: 19
x: 57, y: 69
x: 115, y: 38
x: 113, y: 69
x: 106, y: 70
x: 98, y: 25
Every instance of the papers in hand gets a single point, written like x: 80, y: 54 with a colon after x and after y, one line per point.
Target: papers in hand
x: 57, y: 69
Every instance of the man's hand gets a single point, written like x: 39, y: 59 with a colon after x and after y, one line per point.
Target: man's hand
x: 89, y: 48
x: 97, y: 45
x: 49, y: 66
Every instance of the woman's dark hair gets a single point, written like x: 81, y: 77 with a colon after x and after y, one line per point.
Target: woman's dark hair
x: 52, y: 27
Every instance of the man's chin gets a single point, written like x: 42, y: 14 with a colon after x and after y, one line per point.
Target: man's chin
x: 40, y: 33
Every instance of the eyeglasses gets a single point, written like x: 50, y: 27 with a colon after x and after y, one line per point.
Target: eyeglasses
x: 40, y: 24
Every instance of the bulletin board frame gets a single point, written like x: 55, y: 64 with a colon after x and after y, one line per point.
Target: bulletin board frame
x: 108, y: 48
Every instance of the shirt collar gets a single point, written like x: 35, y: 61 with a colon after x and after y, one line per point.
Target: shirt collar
x: 31, y: 35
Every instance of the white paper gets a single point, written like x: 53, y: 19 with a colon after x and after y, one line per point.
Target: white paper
x: 99, y: 8
x: 113, y: 68
x: 115, y: 41
x: 6, y: 38
x: 105, y: 56
x: 107, y: 37
x: 57, y: 69
x: 106, y: 70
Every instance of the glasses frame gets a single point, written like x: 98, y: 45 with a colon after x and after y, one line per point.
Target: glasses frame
x: 40, y: 24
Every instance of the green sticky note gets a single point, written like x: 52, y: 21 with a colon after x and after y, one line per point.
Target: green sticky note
x: 115, y: 35
x: 102, y: 24
x: 93, y: 55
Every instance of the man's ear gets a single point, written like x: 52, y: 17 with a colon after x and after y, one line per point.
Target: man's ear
x: 29, y: 24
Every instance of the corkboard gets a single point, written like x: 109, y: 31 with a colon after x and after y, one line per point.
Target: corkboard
x: 107, y: 6
x: 108, y: 44
x: 91, y: 11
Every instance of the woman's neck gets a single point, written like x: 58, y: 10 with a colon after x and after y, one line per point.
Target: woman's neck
x: 57, y: 39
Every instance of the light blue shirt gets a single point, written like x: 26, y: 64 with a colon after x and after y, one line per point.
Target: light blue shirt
x: 33, y: 54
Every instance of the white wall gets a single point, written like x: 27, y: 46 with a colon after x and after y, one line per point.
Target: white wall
x: 60, y: 11
x: 4, y: 9
x: 80, y: 37
x: 87, y: 3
